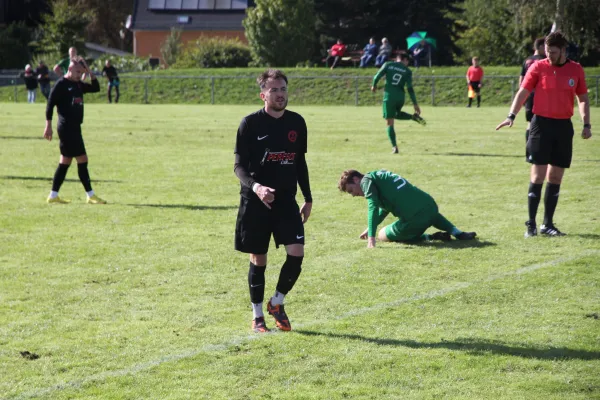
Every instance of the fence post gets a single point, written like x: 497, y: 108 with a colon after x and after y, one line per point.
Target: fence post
x: 512, y: 89
x: 16, y: 91
x: 146, y: 79
x: 212, y: 90
x: 433, y: 90
x: 356, y: 91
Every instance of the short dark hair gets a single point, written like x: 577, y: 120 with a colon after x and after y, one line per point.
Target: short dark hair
x: 556, y: 39
x: 270, y: 74
x: 538, y: 43
x: 347, y: 177
x: 404, y: 56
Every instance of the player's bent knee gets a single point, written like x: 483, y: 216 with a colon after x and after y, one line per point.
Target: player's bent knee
x: 296, y: 250
x: 258, y: 259
x: 390, y: 122
x: 382, y: 236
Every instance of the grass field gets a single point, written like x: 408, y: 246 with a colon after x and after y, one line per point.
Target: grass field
x: 144, y: 298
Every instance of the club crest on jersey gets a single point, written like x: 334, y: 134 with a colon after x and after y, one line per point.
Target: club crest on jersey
x: 571, y: 82
x: 292, y: 136
x: 77, y: 100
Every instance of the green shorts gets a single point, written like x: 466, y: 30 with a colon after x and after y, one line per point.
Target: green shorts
x: 410, y: 230
x: 392, y: 107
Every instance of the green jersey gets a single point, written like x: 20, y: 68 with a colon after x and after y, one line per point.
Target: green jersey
x: 388, y: 192
x: 397, y: 76
x: 64, y: 64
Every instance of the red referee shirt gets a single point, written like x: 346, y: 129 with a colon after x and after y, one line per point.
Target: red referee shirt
x: 555, y: 88
x: 475, y: 74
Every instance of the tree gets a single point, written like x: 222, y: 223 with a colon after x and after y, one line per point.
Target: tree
x: 107, y: 20
x: 14, y: 46
x: 171, y: 47
x: 281, y: 32
x: 64, y: 27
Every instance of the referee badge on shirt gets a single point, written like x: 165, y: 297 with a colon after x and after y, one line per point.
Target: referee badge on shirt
x: 571, y: 82
x: 292, y: 136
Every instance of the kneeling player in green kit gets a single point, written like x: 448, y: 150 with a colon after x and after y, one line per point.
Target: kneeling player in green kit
x: 416, y: 210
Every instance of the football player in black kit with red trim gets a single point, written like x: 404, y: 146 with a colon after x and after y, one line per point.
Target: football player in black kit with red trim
x: 270, y: 163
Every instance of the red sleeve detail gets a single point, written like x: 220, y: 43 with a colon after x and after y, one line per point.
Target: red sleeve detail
x: 531, y: 77
x: 581, y: 85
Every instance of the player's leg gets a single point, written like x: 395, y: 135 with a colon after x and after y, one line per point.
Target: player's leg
x: 539, y: 146
x: 59, y: 177
x: 389, y: 111
x: 405, y: 231
x: 252, y: 235
x: 440, y: 222
x: 561, y: 155
x: 288, y: 231
x: 109, y: 92
x: 117, y: 94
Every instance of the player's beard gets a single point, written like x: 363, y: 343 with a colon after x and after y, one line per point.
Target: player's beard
x: 276, y: 107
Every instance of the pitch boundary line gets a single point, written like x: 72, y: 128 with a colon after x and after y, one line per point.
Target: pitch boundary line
x: 247, y: 338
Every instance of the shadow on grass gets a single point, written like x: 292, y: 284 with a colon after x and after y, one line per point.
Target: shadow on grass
x: 453, y: 244
x: 22, y: 137
x: 49, y: 179
x: 478, y: 155
x: 585, y: 235
x: 185, y: 206
x: 476, y: 346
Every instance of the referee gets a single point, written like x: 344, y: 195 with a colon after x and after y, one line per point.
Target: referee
x: 556, y: 81
x: 270, y: 163
x: 538, y: 54
x: 67, y: 96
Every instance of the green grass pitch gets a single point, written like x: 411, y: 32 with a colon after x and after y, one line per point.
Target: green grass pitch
x: 145, y: 298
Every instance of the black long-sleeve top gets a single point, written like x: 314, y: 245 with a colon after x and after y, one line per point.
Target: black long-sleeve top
x: 67, y: 96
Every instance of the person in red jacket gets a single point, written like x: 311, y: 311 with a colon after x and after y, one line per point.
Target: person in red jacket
x: 556, y: 81
x: 336, y: 52
x: 475, y: 80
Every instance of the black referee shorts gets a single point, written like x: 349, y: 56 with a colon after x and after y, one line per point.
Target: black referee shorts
x: 255, y: 224
x: 71, y: 141
x: 550, y: 141
x: 475, y: 86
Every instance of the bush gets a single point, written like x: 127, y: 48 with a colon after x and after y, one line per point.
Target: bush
x: 14, y: 49
x: 122, y: 64
x: 214, y: 52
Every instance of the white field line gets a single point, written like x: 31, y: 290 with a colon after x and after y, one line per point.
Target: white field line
x: 246, y: 338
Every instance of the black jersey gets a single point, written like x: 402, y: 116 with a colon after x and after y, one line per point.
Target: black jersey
x: 110, y: 73
x: 272, y: 151
x: 529, y: 62
x: 67, y: 96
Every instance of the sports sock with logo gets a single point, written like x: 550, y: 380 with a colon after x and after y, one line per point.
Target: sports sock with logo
x: 256, y: 283
x: 391, y: 135
x: 59, y: 176
x: 533, y: 199
x: 550, y: 201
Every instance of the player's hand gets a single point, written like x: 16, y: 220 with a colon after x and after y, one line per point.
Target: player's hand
x: 507, y: 122
x: 373, y: 89
x: 363, y: 235
x: 48, y: 132
x: 305, y: 211
x: 417, y: 109
x: 586, y: 133
x: 371, y: 243
x: 266, y: 195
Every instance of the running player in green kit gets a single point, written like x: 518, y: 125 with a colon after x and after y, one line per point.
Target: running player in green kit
x: 397, y: 75
x: 416, y: 210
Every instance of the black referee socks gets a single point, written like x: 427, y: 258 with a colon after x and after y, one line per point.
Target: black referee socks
x: 550, y: 201
x: 533, y: 199
x: 84, y: 176
x: 290, y: 271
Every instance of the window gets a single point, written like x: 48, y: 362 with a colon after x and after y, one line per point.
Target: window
x: 206, y: 4
x: 156, y: 4
x: 189, y: 5
x: 173, y: 5
x: 223, y: 5
x: 239, y: 4
x: 199, y: 5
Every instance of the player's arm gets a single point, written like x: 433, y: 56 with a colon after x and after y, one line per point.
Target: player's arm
x: 304, y: 183
x: 527, y: 86
x: 55, y: 94
x: 584, y: 111
x: 241, y: 164
x: 378, y: 76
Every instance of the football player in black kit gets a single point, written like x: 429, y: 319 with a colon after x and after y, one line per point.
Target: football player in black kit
x: 270, y: 163
x: 67, y: 96
x: 539, y: 53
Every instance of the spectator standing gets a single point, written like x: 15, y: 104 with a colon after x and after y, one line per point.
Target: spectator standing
x: 336, y: 52
x: 369, y: 53
x: 43, y: 77
x: 31, y: 83
x: 110, y: 72
x: 385, y: 52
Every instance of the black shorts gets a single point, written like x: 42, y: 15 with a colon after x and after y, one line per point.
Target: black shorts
x: 550, y: 141
x: 475, y: 86
x: 71, y: 141
x: 255, y: 224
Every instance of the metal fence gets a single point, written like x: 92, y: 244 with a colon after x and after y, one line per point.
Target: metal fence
x: 304, y: 90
